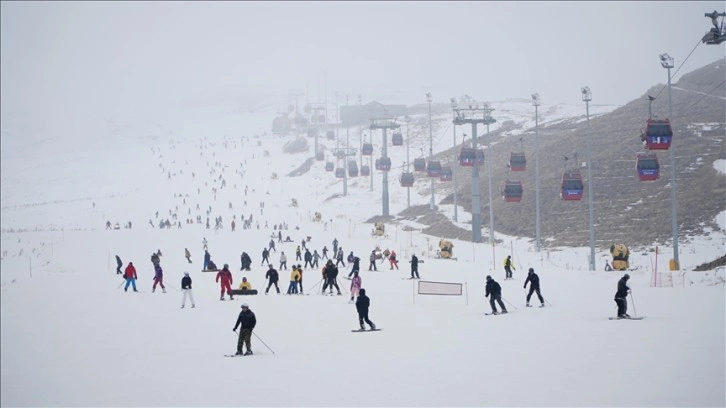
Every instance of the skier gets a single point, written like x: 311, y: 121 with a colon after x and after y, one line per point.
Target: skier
x: 119, y: 264
x: 272, y: 245
x: 493, y: 289
x: 339, y: 257
x: 308, y: 258
x: 356, y: 267
x: 330, y: 274
x: 130, y: 275
x: 608, y: 268
x: 226, y: 282
x: 272, y: 277
x: 316, y: 258
x: 294, y: 278
x: 362, y: 305
x: 187, y: 255
x: 621, y: 295
x: 158, y: 278
x: 335, y: 246
x: 299, y: 282
x: 283, y: 260
x: 534, y: 287
x: 508, y: 266
x: 325, y: 252
x: 207, y: 257
x: 355, y: 285
x: 351, y: 257
x: 204, y: 241
x: 186, y: 285
x: 392, y: 260
x: 265, y: 255
x: 155, y: 259
x: 372, y: 260
x: 298, y: 254
x: 246, y: 322
x: 245, y: 261
x: 414, y: 266
x: 279, y: 236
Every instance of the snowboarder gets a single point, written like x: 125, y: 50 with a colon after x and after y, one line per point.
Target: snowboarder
x: 362, y: 305
x: 508, y: 266
x: 265, y: 255
x: 158, y: 278
x: 130, y: 275
x: 621, y: 295
x: 272, y: 276
x: 330, y: 274
x: 493, y: 289
x: 246, y: 322
x: 119, y: 264
x: 186, y: 285
x: 226, y: 282
x: 283, y: 260
x: 207, y: 257
x: 355, y: 285
x: 414, y: 267
x: 187, y: 255
x: 356, y: 266
x: 534, y: 287
x: 372, y: 260
x: 392, y: 260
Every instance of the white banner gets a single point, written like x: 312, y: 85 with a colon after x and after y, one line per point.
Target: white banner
x: 440, y: 288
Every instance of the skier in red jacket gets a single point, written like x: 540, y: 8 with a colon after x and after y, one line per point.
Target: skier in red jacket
x: 226, y: 282
x: 130, y: 275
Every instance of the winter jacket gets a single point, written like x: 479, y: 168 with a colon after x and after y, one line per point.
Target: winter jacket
x: 356, y: 263
x: 118, y: 261
x: 130, y: 272
x: 246, y: 320
x: 308, y: 256
x: 186, y: 283
x: 356, y: 282
x: 363, y: 303
x: 623, y: 288
x: 283, y: 258
x: 330, y: 272
x: 392, y: 257
x: 265, y: 253
x: 351, y: 257
x: 225, y: 275
x: 155, y: 259
x: 532, y: 277
x: 493, y: 288
x: 414, y: 262
x: 372, y: 258
x: 508, y: 263
x: 207, y: 257
x: 187, y: 254
x: 245, y: 285
x: 158, y: 273
x: 272, y: 275
x: 295, y: 275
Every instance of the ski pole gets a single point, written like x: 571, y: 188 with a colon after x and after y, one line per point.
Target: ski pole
x: 515, y: 308
x: 632, y: 300
x: 343, y: 286
x: 122, y: 283
x: 258, y: 338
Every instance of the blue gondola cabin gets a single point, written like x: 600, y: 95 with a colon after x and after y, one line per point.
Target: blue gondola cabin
x: 658, y: 134
x: 572, y: 186
x: 647, y: 166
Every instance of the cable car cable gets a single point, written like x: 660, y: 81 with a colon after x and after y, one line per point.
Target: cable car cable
x: 679, y: 68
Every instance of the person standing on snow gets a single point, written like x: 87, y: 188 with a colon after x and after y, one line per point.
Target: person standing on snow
x: 186, y: 286
x: 339, y: 257
x: 372, y: 261
x: 508, y: 266
x: 299, y: 282
x: 130, y: 275
x: 226, y: 282
x: 355, y: 285
x: 534, y: 287
x: 493, y: 289
x: 392, y: 260
x: 246, y: 321
x: 298, y: 254
x: 330, y: 274
x: 362, y: 305
x: 158, y: 278
x: 283, y: 260
x: 308, y: 258
x: 621, y: 296
x: 207, y: 257
x: 325, y: 252
x: 119, y: 264
x: 414, y: 266
x: 294, y: 278
x: 316, y: 258
x: 265, y: 255
x: 272, y: 276
x: 187, y: 255
x: 356, y: 266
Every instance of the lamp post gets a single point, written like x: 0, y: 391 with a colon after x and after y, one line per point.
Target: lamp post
x: 429, y: 99
x: 666, y: 61
x: 536, y: 103
x: 456, y: 210
x: 587, y: 97
x: 408, y: 161
x: 489, y: 170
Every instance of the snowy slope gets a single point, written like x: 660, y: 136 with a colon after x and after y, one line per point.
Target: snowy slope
x: 70, y: 336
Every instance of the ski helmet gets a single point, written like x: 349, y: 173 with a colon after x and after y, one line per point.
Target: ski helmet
x: 531, y: 270
x: 244, y: 306
x: 626, y: 276
x: 489, y: 277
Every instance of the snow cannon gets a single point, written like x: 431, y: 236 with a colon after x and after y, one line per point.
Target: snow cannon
x: 620, y: 255
x: 446, y: 248
x: 380, y: 229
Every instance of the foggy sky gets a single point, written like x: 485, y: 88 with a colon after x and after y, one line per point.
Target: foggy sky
x: 77, y: 58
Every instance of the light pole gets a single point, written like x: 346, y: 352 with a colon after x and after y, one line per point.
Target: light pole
x: 587, y: 97
x: 489, y: 170
x: 667, y: 62
x: 536, y: 102
x: 408, y: 161
x: 347, y: 145
x: 429, y: 99
x: 456, y: 210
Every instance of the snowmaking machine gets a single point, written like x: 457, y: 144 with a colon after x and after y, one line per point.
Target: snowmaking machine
x: 446, y: 249
x: 380, y: 229
x: 620, y: 255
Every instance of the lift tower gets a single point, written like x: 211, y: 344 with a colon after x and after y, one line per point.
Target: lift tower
x: 385, y: 124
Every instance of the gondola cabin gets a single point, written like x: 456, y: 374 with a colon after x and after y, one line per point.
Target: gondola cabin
x: 433, y: 168
x: 517, y: 161
x: 419, y: 164
x: 340, y: 172
x: 320, y: 156
x: 407, y: 180
x: 572, y: 186
x: 648, y: 167
x: 330, y: 135
x: 446, y: 174
x: 366, y: 149
x: 365, y: 170
x: 397, y: 139
x: 512, y: 191
x: 658, y: 134
x: 470, y: 156
x: 383, y: 164
x: 329, y: 166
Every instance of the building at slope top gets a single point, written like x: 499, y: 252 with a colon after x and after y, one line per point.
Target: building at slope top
x: 353, y: 115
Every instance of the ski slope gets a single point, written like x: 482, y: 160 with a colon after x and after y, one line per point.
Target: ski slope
x: 71, y: 337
